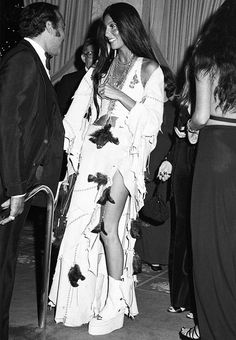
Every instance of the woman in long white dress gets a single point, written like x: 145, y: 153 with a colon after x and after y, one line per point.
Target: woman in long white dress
x: 111, y: 128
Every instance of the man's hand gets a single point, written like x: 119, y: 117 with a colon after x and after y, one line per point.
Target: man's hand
x: 16, y: 205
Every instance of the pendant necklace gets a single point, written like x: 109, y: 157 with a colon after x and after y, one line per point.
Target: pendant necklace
x: 119, y: 71
x: 116, y: 78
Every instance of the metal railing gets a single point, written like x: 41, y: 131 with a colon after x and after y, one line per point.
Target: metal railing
x: 43, y: 303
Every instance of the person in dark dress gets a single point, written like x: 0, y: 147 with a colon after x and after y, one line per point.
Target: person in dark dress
x: 178, y: 165
x: 213, y: 213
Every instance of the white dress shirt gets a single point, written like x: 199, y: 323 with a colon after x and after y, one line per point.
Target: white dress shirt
x: 41, y: 53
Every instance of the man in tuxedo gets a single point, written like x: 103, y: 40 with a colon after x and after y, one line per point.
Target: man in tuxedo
x: 31, y: 132
x: 66, y: 87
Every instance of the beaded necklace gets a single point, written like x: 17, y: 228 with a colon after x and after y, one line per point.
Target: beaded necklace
x: 117, y: 79
x: 118, y: 72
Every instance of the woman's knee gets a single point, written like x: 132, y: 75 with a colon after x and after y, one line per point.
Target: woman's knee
x: 109, y: 234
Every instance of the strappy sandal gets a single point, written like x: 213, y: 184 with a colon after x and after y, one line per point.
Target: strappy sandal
x: 190, y: 333
x: 172, y: 309
x: 190, y: 315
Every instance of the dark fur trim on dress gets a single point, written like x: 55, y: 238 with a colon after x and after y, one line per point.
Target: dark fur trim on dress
x: 99, y: 228
x: 59, y: 227
x: 88, y: 113
x: 135, y: 229
x: 74, y: 275
x: 137, y: 264
x: 102, y: 136
x: 106, y: 197
x: 98, y: 178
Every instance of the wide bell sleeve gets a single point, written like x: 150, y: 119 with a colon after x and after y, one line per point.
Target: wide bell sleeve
x: 146, y: 117
x: 144, y: 122
x: 76, y: 120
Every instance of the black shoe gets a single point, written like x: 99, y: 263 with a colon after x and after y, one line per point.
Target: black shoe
x: 156, y: 267
x: 172, y: 309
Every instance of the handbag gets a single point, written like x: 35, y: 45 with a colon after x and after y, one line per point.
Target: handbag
x: 156, y: 209
x: 61, y: 209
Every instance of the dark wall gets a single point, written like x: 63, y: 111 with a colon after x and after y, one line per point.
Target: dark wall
x: 9, y: 15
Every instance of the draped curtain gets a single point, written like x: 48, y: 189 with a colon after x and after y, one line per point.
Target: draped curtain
x: 77, y: 16
x: 174, y: 24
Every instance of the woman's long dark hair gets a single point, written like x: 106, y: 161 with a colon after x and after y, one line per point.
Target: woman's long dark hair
x: 132, y: 33
x: 215, y: 54
x: 169, y: 81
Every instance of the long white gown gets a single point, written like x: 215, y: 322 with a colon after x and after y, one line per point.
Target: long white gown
x: 136, y: 131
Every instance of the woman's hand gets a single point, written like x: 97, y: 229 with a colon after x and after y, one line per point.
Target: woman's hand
x: 192, y: 134
x: 109, y: 92
x: 165, y: 171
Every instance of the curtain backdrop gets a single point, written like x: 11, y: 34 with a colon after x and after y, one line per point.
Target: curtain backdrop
x: 100, y: 5
x: 173, y: 24
x: 77, y: 15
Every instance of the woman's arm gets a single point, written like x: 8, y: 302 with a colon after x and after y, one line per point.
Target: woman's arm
x: 203, y: 102
x: 148, y: 111
x: 108, y: 91
x: 148, y: 67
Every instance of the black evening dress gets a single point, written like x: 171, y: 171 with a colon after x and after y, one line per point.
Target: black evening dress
x: 181, y: 156
x: 213, y: 224
x: 180, y: 255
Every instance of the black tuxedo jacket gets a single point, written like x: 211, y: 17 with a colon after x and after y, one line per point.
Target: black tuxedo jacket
x: 31, y: 130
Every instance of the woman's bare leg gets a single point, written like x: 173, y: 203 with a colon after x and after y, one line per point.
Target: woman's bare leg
x: 111, y: 317
x: 112, y: 213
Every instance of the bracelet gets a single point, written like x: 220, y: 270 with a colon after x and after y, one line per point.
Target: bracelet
x: 189, y: 128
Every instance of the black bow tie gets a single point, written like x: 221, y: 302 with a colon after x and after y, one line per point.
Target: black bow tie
x: 48, y: 58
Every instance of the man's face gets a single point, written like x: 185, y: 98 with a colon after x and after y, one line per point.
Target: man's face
x: 88, y: 56
x: 56, y: 38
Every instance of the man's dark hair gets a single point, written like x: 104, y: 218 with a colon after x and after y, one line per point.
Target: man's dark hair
x: 33, y: 18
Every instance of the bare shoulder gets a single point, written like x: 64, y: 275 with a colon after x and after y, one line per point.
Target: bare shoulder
x: 148, y: 67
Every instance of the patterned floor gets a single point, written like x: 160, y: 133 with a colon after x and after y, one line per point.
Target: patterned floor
x: 152, y: 290
x: 147, y: 280
x: 27, y: 245
x: 153, y: 281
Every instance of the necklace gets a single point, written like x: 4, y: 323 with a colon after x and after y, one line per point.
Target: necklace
x: 116, y: 77
x: 119, y: 71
